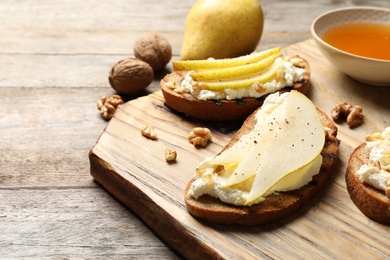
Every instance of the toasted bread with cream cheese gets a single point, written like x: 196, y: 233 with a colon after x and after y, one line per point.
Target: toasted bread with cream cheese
x: 218, y: 110
x: 370, y: 201
x: 277, y: 205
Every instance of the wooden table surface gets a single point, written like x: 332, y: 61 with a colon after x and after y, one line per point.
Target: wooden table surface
x: 54, y: 61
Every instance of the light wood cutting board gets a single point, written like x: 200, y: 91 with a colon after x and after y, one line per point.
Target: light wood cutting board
x: 134, y: 170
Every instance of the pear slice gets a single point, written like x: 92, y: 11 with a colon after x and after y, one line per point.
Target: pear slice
x: 235, y: 72
x: 238, y: 152
x: 294, y: 180
x: 260, y: 140
x: 297, y: 141
x: 242, y: 148
x: 188, y: 65
x: 263, y: 78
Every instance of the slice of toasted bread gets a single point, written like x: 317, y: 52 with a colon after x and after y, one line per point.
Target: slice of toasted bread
x: 276, y: 206
x: 218, y: 110
x: 372, y: 202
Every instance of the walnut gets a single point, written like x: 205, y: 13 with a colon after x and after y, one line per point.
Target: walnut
x: 154, y: 49
x: 260, y: 87
x: 107, y: 112
x: 101, y: 102
x: 352, y: 114
x: 219, y: 169
x: 149, y: 132
x: 170, y: 155
x: 200, y: 136
x: 115, y: 100
x: 198, y: 87
x: 107, y: 107
x: 297, y: 62
x: 341, y: 111
x: 171, y: 84
x: 280, y: 75
x: 355, y: 117
x: 130, y: 76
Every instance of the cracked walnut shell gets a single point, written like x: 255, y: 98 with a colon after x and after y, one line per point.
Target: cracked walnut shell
x: 130, y: 76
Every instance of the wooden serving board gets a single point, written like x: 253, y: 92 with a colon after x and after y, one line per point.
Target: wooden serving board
x: 134, y: 170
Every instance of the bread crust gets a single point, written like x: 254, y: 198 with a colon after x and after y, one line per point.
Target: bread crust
x: 218, y: 110
x: 370, y: 201
x: 276, y: 206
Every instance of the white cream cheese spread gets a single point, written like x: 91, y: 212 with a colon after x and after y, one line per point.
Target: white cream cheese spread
x: 213, y: 178
x: 377, y: 171
x: 291, y: 74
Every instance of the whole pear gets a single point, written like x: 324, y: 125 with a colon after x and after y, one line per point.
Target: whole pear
x: 222, y: 29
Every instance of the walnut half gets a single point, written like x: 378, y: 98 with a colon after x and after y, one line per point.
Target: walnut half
x: 352, y: 114
x: 355, y: 117
x: 200, y: 136
x: 108, y: 106
x: 170, y: 155
x: 149, y: 132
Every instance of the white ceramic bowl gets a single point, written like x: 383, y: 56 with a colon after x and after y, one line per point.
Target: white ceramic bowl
x: 367, y: 70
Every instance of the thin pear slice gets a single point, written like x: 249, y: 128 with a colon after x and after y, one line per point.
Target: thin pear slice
x: 293, y: 180
x: 259, y: 144
x: 189, y: 65
x: 236, y: 153
x: 235, y: 72
x: 263, y: 78
x: 240, y: 150
x: 298, y: 140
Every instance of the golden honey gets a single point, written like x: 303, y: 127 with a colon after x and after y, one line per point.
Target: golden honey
x: 370, y: 40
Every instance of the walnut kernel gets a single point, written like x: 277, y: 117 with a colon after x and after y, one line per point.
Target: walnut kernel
x: 352, y: 114
x: 219, y: 169
x: 297, y: 62
x: 280, y: 75
x: 170, y: 155
x: 200, y: 136
x: 130, y: 76
x: 149, y: 132
x: 355, y: 117
x: 171, y: 84
x: 260, y: 87
x: 115, y: 100
x: 101, y: 102
x: 154, y: 49
x: 198, y: 87
x: 341, y: 111
x: 107, y: 107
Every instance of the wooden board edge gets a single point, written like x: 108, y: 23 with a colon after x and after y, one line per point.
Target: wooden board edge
x: 136, y: 200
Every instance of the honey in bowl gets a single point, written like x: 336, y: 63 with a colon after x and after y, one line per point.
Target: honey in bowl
x: 370, y: 40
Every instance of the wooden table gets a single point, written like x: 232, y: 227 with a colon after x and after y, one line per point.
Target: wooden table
x: 54, y: 61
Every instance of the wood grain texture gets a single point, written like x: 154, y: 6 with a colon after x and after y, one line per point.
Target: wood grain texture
x: 54, y: 61
x: 65, y: 223
x: 133, y: 168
